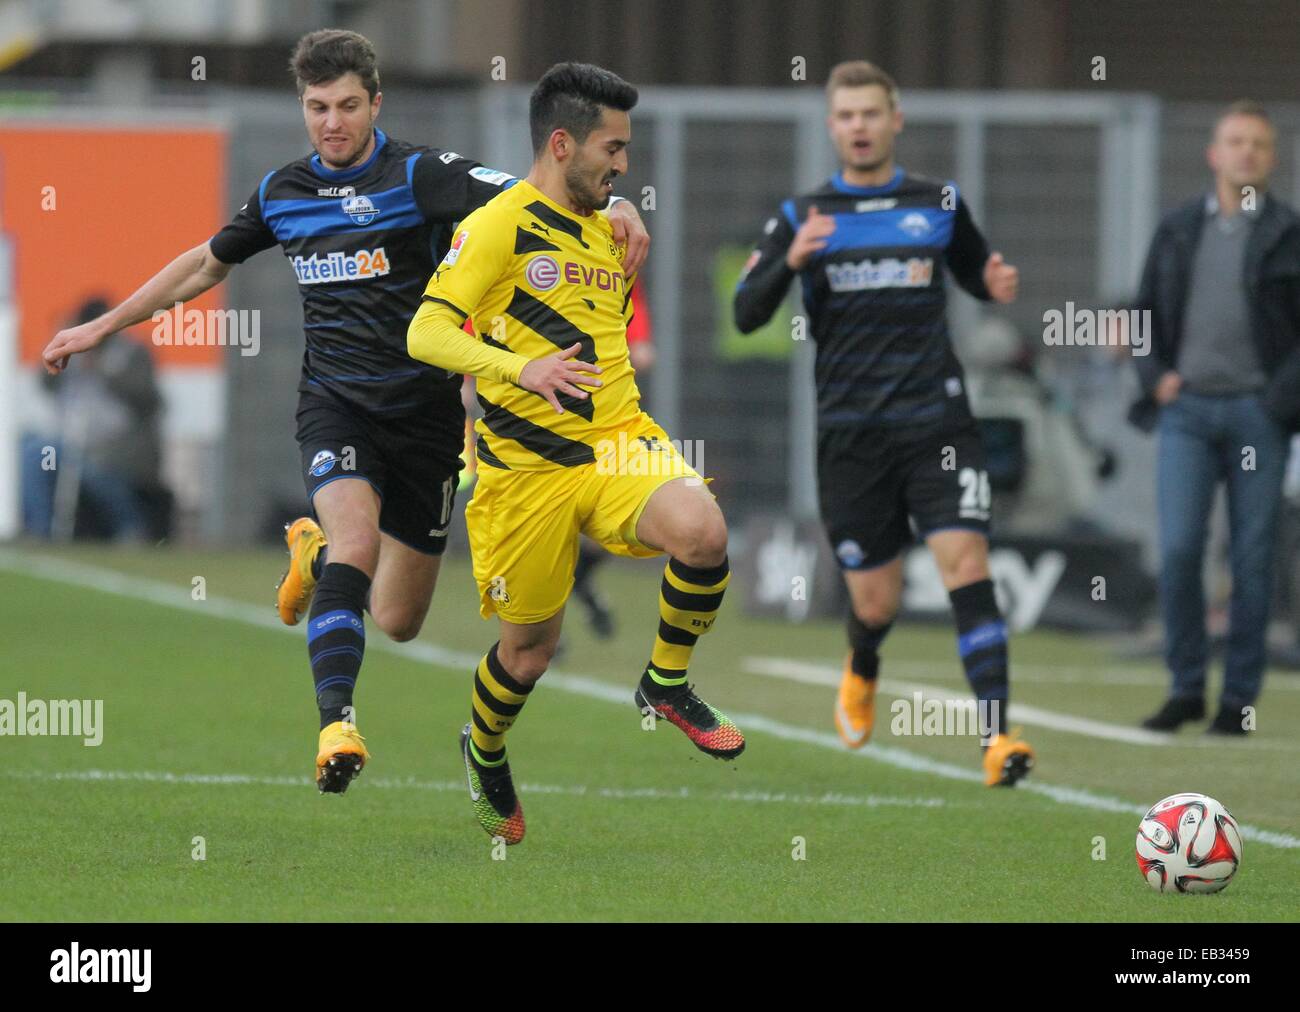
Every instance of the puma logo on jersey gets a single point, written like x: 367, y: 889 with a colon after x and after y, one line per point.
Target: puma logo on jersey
x: 338, y: 266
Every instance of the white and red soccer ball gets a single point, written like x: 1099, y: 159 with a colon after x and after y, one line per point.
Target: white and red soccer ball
x: 1188, y: 843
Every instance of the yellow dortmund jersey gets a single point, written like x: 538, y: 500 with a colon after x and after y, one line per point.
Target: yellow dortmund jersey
x: 536, y: 278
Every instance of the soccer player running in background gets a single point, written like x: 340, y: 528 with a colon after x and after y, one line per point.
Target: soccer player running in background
x: 362, y: 221
x: 896, y: 438
x: 564, y: 448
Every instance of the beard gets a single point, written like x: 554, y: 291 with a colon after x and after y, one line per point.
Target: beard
x: 353, y: 156
x: 589, y: 195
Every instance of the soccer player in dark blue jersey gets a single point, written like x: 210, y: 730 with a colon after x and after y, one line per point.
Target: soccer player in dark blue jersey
x: 363, y: 222
x: 896, y: 443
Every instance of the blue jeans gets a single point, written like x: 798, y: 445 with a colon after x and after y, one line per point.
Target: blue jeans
x: 38, y: 484
x: 108, y: 492
x: 1203, y: 440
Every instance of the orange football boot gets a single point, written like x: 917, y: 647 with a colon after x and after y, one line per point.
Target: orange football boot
x: 855, y: 707
x: 1006, y: 760
x: 340, y: 757
x: 293, y: 593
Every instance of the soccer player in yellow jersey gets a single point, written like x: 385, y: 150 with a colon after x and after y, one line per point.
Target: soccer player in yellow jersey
x: 563, y: 445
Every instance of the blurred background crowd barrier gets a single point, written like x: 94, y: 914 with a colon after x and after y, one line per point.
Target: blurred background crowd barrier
x: 130, y: 131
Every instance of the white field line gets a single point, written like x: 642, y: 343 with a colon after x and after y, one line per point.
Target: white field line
x: 823, y: 674
x: 811, y: 673
x: 174, y: 596
x: 1070, y: 674
x: 831, y: 798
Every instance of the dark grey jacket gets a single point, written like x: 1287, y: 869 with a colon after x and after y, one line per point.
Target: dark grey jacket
x: 1272, y: 277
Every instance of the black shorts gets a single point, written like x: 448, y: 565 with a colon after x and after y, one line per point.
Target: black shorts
x: 872, y: 482
x: 412, y: 461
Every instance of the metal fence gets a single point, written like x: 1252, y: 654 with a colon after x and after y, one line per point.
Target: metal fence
x: 1064, y: 184
x: 1068, y: 186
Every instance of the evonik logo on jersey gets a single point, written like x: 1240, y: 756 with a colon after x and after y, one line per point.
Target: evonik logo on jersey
x: 339, y: 266
x: 543, y: 273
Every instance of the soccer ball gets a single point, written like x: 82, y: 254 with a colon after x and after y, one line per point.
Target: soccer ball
x: 1188, y: 843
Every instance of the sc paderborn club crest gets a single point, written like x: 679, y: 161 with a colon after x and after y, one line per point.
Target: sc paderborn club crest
x: 360, y: 209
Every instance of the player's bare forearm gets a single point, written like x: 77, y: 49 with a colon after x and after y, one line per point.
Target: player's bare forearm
x: 189, y: 275
x: 435, y: 337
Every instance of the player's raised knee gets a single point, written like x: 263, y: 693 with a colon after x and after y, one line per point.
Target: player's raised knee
x: 701, y: 538
x: 400, y: 621
x: 875, y: 614
x: 399, y: 628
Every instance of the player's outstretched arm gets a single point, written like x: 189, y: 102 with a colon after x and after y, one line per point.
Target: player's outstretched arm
x: 479, y: 257
x: 435, y: 336
x: 190, y: 274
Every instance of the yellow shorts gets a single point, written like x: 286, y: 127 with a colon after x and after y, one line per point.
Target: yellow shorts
x: 524, y: 525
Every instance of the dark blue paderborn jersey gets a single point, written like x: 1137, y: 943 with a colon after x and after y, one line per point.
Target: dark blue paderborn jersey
x: 363, y: 243
x: 875, y: 298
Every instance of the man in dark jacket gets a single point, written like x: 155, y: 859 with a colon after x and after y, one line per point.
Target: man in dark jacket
x: 1222, y: 388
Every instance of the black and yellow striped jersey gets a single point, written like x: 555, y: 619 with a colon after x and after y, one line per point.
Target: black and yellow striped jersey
x: 535, y: 278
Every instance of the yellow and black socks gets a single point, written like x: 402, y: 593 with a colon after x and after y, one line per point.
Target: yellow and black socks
x: 336, y: 638
x: 689, y: 599
x: 864, y: 646
x: 497, y: 700
x: 982, y: 644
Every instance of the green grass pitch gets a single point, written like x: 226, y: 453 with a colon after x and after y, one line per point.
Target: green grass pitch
x: 210, y: 730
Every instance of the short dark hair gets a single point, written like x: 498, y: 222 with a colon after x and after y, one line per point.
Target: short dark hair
x: 570, y: 96
x: 1241, y: 107
x: 859, y: 74
x: 327, y: 55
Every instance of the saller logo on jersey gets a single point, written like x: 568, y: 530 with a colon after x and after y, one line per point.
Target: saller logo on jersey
x: 915, y: 272
x: 364, y: 263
